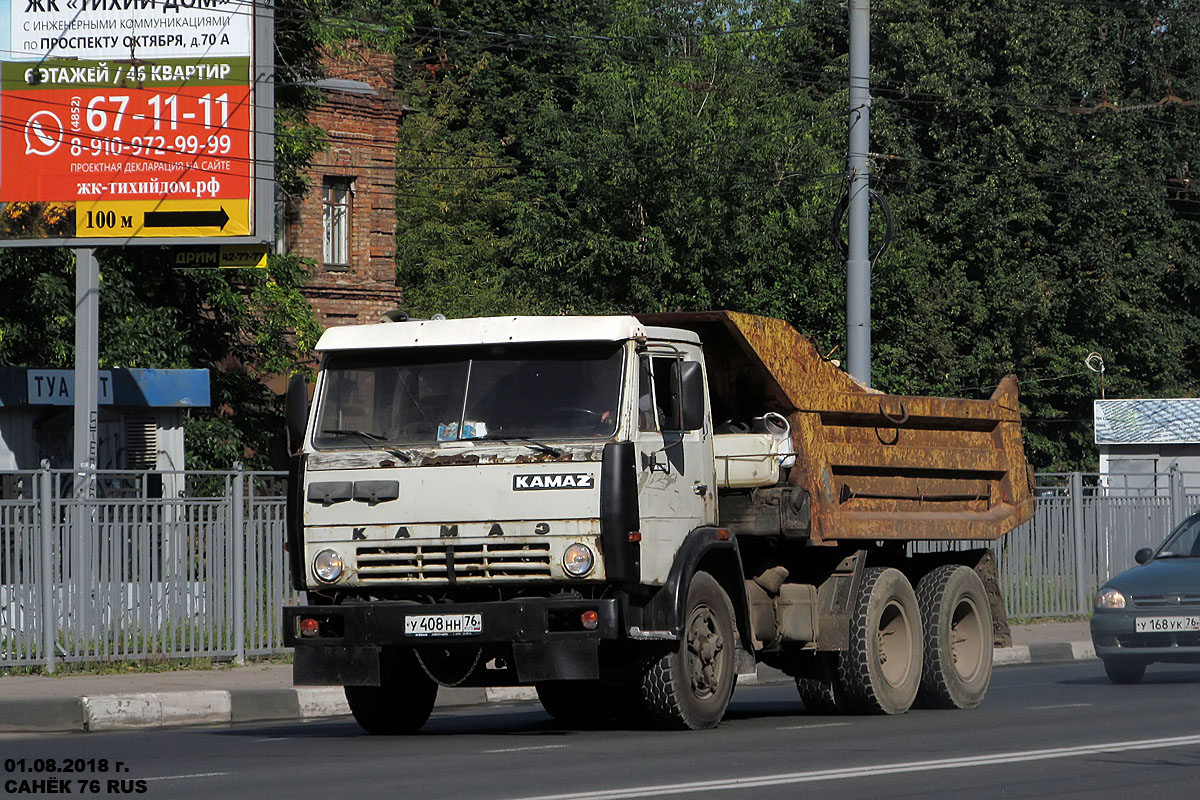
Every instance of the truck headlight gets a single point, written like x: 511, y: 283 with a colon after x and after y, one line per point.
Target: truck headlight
x: 578, y: 560
x: 328, y: 566
x: 1110, y: 598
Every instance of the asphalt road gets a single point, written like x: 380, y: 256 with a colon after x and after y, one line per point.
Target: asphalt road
x: 1044, y: 731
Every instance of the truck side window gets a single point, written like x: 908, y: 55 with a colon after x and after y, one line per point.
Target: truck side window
x: 666, y: 404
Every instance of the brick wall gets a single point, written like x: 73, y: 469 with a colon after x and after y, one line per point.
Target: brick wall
x: 362, y: 129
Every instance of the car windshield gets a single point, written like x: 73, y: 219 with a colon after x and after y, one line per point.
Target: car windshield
x: 1184, y: 541
x: 420, y: 396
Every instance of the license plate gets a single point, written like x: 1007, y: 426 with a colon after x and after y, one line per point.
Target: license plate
x: 443, y: 625
x: 1166, y: 624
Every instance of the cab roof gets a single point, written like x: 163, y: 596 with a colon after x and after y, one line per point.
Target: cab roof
x: 495, y: 330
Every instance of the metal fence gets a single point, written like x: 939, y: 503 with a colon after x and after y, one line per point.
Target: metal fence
x: 198, y: 574
x: 199, y: 570
x: 1085, y: 529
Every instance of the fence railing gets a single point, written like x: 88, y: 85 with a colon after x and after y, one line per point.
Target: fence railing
x: 204, y: 574
x: 198, y: 575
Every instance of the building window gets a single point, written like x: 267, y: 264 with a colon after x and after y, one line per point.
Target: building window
x: 336, y: 213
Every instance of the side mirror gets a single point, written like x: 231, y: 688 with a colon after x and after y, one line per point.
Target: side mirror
x: 296, y: 412
x: 687, y: 384
x: 1143, y: 555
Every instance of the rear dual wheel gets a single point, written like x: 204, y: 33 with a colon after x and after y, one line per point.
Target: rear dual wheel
x: 958, y: 638
x: 880, y: 671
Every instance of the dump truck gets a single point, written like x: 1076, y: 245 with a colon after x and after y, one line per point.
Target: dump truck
x: 627, y: 513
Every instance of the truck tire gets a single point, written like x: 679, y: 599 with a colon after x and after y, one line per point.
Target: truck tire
x: 819, y: 686
x: 402, y: 702
x: 690, y: 686
x: 958, y: 638
x: 1124, y: 670
x: 880, y: 671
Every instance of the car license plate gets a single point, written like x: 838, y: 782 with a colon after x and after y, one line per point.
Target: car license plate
x: 1166, y: 624
x: 443, y: 625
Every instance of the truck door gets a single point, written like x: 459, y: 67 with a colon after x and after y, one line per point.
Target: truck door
x: 675, y: 466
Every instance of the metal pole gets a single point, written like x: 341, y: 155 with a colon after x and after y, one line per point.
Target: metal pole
x: 237, y: 539
x: 1082, y: 600
x: 87, y: 375
x: 46, y: 571
x: 858, y: 261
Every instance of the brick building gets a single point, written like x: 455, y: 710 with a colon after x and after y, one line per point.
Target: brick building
x: 346, y: 222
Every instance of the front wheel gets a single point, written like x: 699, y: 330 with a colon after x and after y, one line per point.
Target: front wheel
x: 1124, y: 670
x: 401, y: 703
x: 690, y: 687
x: 958, y: 637
x: 881, y: 669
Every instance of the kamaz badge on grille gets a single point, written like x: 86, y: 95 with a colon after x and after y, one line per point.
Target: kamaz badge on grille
x: 558, y: 480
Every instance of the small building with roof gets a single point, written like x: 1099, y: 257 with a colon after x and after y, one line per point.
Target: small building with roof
x: 1142, y: 440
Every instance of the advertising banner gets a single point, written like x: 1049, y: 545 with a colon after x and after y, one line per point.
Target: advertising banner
x: 126, y: 118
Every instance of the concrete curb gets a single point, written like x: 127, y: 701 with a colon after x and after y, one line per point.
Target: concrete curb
x: 108, y: 712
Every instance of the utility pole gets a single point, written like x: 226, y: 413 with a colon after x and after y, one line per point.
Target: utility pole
x: 858, y: 207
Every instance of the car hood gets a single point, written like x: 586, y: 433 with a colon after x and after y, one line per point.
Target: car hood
x: 1166, y: 576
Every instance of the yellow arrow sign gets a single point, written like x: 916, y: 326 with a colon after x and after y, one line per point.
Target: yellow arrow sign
x: 146, y: 218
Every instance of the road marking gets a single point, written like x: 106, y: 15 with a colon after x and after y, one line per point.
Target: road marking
x: 275, y: 739
x: 183, y: 777
x: 1064, y: 705
x: 523, y: 749
x: 806, y: 727
x: 756, y: 781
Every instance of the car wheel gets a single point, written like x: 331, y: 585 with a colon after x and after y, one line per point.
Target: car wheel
x: 1124, y: 670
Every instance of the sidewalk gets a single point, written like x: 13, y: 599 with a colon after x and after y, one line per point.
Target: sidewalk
x: 264, y: 692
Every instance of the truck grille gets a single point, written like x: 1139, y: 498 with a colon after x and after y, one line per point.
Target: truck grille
x: 508, y: 561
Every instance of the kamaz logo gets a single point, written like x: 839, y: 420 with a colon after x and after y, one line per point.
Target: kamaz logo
x: 562, y: 480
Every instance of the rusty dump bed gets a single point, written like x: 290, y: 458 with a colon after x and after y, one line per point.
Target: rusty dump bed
x: 878, y: 466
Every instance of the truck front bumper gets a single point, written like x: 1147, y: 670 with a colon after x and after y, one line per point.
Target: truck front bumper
x: 542, y: 639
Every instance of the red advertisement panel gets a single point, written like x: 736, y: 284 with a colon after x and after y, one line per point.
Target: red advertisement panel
x: 116, y: 143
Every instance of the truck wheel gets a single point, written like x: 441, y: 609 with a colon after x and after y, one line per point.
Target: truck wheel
x: 958, y: 638
x: 403, y: 701
x: 819, y: 686
x: 1124, y: 670
x: 690, y: 687
x: 881, y: 669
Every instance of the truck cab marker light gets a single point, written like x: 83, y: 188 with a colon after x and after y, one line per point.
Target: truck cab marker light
x: 635, y: 536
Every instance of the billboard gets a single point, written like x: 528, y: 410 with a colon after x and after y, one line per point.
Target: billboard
x: 127, y: 119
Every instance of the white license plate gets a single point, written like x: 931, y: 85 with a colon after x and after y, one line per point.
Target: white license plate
x: 443, y: 625
x: 1166, y: 624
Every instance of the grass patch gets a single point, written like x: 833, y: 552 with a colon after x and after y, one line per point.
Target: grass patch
x: 143, y: 665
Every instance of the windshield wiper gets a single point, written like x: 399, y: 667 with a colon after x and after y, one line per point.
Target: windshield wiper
x: 370, y: 437
x: 532, y: 444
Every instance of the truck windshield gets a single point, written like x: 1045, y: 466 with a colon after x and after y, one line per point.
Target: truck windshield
x: 417, y: 396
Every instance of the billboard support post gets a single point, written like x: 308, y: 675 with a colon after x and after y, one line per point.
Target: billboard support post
x: 87, y: 369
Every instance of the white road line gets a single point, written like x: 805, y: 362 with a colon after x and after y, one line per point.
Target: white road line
x: 523, y: 749
x: 1064, y: 705
x: 183, y: 777
x: 806, y: 727
x: 276, y: 739
x: 756, y: 781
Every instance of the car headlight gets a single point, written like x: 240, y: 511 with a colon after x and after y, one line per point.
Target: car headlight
x: 578, y: 560
x: 328, y: 566
x: 1110, y: 598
